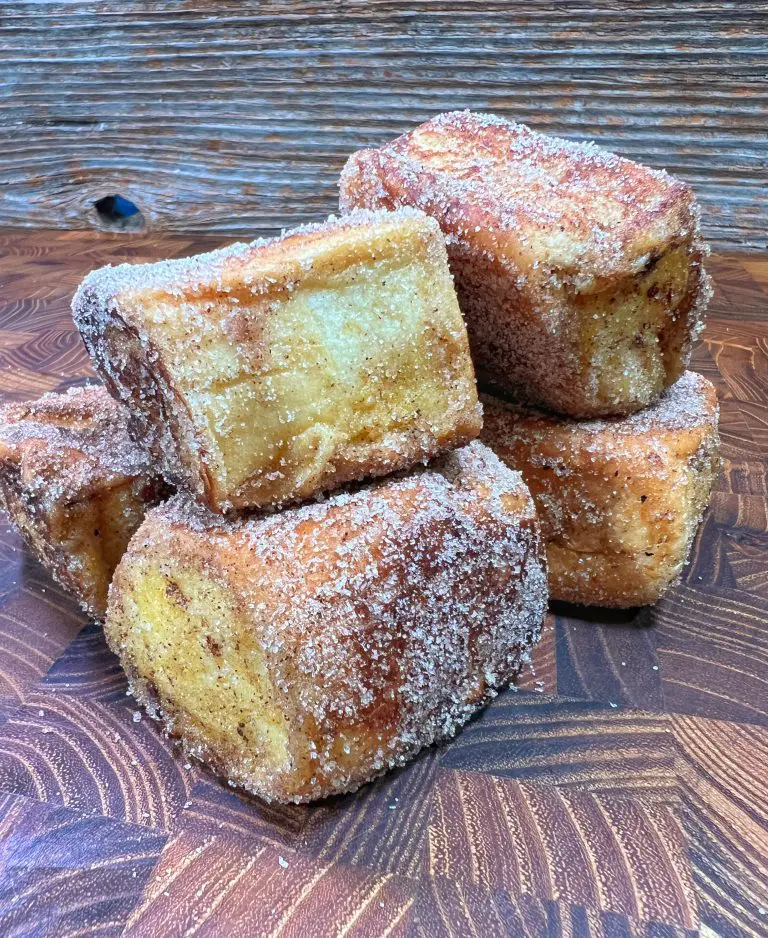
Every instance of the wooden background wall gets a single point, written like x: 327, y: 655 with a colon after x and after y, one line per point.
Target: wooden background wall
x: 236, y: 117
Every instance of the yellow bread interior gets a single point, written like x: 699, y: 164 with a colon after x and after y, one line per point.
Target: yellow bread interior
x: 82, y: 542
x: 193, y: 652
x: 76, y: 485
x: 352, y: 360
x: 302, y: 652
x: 630, y: 334
x: 623, y: 536
x: 619, y: 500
x: 578, y: 272
x: 198, y: 657
x: 336, y: 353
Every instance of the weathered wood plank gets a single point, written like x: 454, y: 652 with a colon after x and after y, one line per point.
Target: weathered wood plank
x: 236, y: 118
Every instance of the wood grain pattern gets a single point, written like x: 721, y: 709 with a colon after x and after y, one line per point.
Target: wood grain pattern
x: 713, y: 653
x: 588, y: 745
x: 616, y: 663
x: 210, y: 886
x: 619, y: 791
x: 93, y: 758
x: 727, y: 825
x: 66, y: 874
x: 238, y: 117
x: 615, y: 854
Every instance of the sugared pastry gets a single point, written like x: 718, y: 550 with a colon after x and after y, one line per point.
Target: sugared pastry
x: 305, y: 652
x: 265, y: 373
x: 75, y: 485
x: 579, y: 273
x: 619, y: 499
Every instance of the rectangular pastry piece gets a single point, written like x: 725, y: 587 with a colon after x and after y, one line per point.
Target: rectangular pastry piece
x: 265, y: 373
x: 76, y: 486
x: 305, y: 652
x: 579, y: 273
x: 619, y: 499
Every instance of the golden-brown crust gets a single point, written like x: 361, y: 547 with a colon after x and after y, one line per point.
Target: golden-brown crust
x: 262, y: 374
x: 359, y: 630
x: 619, y: 499
x: 75, y: 485
x: 544, y: 236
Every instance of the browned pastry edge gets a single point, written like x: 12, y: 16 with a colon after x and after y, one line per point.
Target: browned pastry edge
x: 619, y: 499
x: 75, y: 486
x: 389, y: 615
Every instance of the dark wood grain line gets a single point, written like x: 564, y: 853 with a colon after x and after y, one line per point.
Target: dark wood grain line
x: 540, y: 676
x: 87, y: 669
x: 713, y: 653
x: 93, y: 758
x: 608, y: 655
x: 584, y: 745
x: 740, y: 351
x: 37, y: 619
x: 445, y: 909
x: 383, y: 827
x: 215, y: 886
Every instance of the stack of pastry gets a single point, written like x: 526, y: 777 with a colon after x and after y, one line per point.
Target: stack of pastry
x: 580, y: 278
x: 344, y: 574
x: 332, y: 572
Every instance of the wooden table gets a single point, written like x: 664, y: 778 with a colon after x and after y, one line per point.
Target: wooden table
x: 621, y: 790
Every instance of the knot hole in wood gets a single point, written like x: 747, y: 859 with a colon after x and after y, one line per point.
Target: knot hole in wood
x: 117, y: 213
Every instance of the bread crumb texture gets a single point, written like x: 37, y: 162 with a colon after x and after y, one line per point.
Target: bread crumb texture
x: 580, y: 273
x: 264, y: 373
x: 305, y: 652
x: 619, y: 499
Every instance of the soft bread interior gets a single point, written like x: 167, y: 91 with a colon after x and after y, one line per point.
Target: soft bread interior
x: 630, y: 346
x: 350, y: 361
x: 635, y: 551
x: 180, y: 632
x: 346, y: 357
x: 189, y: 650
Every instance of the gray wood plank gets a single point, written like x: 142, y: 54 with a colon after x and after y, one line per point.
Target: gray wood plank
x: 236, y: 118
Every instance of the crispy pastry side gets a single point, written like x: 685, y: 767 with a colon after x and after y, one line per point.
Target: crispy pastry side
x: 76, y: 486
x: 303, y: 653
x: 619, y: 499
x: 579, y: 273
x: 264, y: 373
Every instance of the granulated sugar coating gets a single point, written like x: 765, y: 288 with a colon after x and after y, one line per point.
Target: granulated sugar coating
x: 303, y: 653
x: 261, y: 374
x: 579, y: 273
x: 619, y: 499
x: 75, y: 485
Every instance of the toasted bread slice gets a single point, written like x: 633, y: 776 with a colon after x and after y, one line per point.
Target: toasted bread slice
x: 579, y: 273
x: 76, y: 486
x: 263, y: 374
x: 619, y: 499
x: 303, y: 653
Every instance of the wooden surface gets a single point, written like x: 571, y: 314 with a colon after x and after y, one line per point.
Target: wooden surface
x: 237, y: 116
x: 621, y: 791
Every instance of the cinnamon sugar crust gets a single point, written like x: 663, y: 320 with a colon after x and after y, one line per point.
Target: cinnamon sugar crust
x: 619, y: 499
x: 263, y: 373
x: 580, y: 274
x: 75, y: 485
x: 303, y: 653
